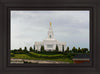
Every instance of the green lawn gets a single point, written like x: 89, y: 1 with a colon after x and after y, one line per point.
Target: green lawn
x: 37, y: 56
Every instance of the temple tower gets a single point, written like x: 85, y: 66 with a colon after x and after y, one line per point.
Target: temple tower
x: 50, y: 32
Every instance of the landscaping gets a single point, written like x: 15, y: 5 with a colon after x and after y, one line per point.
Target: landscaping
x: 55, y: 55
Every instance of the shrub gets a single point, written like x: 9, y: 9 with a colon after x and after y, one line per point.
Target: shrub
x: 12, y: 54
x: 84, y: 50
x: 74, y: 50
x: 32, y: 54
x: 31, y: 50
x: 42, y: 49
x: 67, y: 50
x: 25, y: 50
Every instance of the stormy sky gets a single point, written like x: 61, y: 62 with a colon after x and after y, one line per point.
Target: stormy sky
x: 71, y: 27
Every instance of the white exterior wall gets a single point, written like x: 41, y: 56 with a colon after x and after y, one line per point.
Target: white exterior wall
x: 50, y: 41
x: 45, y: 43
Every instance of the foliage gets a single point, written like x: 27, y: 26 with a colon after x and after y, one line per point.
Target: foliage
x: 63, y: 48
x: 31, y: 50
x: 42, y: 49
x: 67, y: 50
x: 12, y: 54
x: 34, y: 48
x: 25, y: 50
x: 74, y: 50
x: 88, y: 51
x: 56, y: 48
x: 36, y: 56
x: 84, y: 50
x: 55, y: 55
x: 79, y: 50
x: 70, y: 55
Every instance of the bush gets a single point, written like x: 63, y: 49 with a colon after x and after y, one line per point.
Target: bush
x: 25, y: 50
x: 69, y: 55
x: 30, y: 49
x: 12, y: 54
x: 74, y: 50
x: 42, y: 49
x: 57, y: 49
x: 32, y: 54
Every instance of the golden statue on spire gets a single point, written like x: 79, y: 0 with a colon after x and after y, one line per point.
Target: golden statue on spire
x: 50, y: 23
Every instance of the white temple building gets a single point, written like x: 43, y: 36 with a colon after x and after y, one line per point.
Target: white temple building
x: 50, y: 43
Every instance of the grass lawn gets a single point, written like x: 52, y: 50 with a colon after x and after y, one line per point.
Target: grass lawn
x: 37, y: 56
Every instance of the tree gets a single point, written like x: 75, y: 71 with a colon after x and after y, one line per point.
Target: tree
x: 84, y: 50
x: 31, y: 50
x: 12, y: 51
x: 63, y: 48
x: 74, y: 50
x: 20, y: 50
x: 15, y: 51
x: 34, y: 48
x: 57, y: 48
x: 88, y: 51
x: 67, y: 50
x: 12, y: 54
x: 79, y: 50
x: 25, y: 50
x: 42, y: 49
x: 70, y: 51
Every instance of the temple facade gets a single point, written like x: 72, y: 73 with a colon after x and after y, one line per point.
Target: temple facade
x: 50, y: 43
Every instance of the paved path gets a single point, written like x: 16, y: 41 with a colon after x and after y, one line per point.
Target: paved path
x: 37, y: 61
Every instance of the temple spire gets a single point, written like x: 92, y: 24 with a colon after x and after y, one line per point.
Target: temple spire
x: 50, y: 24
x: 50, y: 32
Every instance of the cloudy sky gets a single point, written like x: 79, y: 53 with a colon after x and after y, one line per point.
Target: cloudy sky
x: 71, y: 27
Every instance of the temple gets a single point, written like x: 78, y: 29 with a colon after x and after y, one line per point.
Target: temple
x: 50, y: 43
